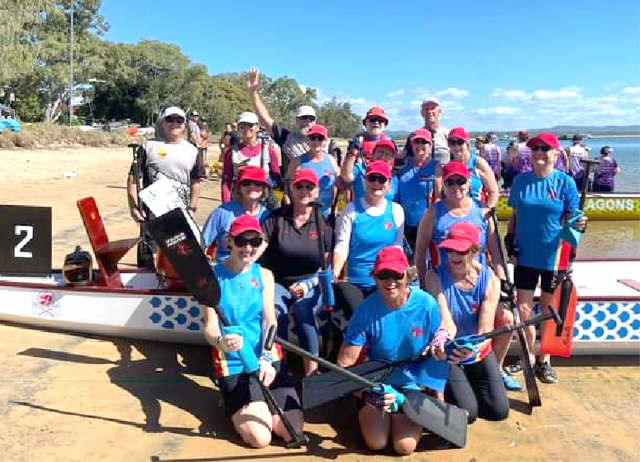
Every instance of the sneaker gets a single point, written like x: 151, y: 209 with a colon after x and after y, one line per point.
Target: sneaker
x: 510, y: 383
x: 515, y: 368
x: 546, y: 373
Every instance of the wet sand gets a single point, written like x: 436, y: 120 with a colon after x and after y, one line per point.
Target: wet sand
x: 70, y: 397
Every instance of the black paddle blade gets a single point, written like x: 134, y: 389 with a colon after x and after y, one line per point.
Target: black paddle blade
x: 443, y: 419
x: 173, y: 234
x: 320, y: 389
x: 527, y: 369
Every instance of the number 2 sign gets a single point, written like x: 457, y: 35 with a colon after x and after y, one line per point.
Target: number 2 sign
x: 25, y: 240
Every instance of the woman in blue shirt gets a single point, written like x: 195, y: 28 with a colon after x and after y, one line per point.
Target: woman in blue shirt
x: 396, y: 322
x: 470, y: 291
x: 541, y: 200
x: 249, y: 192
x: 247, y: 293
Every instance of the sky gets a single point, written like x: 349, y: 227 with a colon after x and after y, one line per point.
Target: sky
x: 494, y: 65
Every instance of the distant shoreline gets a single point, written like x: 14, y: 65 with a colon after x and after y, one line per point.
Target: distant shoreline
x: 635, y: 135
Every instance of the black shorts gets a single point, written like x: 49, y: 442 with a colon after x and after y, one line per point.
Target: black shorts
x: 526, y: 278
x: 241, y: 389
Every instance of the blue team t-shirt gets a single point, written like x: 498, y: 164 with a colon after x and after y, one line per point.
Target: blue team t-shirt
x: 399, y: 334
x: 219, y: 222
x: 414, y: 190
x: 541, y: 205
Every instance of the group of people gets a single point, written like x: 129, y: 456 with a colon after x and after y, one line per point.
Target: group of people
x: 413, y: 259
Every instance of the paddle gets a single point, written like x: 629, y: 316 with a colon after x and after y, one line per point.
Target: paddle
x: 559, y: 341
x: 444, y: 419
x: 321, y: 389
x: 144, y: 258
x: 174, y: 236
x: 525, y: 352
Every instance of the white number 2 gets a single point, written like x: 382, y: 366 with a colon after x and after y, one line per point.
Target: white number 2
x: 28, y: 232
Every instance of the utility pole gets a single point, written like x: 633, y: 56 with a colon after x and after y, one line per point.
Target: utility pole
x: 71, y: 68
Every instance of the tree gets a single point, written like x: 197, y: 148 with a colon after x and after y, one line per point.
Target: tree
x: 339, y: 118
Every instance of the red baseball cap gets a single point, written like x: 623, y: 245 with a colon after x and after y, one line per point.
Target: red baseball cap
x: 458, y: 132
x: 544, y: 138
x: 305, y: 174
x: 244, y: 223
x: 377, y: 111
x: 455, y: 168
x: 388, y: 143
x: 391, y: 258
x: 318, y: 129
x: 251, y: 172
x: 461, y: 237
x: 379, y: 166
x: 422, y: 134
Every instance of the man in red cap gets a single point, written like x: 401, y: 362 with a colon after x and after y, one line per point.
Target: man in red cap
x: 431, y: 112
x: 395, y: 323
x: 363, y: 144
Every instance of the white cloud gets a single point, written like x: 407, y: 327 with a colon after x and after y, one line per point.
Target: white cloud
x: 631, y: 91
x: 499, y: 111
x: 395, y: 94
x: 562, y: 94
x: 453, y: 92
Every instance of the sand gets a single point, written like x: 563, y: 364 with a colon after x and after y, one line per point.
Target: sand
x: 68, y: 397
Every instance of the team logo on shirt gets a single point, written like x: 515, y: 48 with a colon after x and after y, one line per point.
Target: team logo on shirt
x: 417, y: 332
x: 474, y: 307
x: 254, y: 283
x: 313, y: 235
x: 552, y: 194
x: 387, y: 225
x: 162, y: 152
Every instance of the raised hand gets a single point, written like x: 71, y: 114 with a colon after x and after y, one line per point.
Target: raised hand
x: 253, y: 79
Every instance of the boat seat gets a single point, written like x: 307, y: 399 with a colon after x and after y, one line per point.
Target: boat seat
x: 108, y: 253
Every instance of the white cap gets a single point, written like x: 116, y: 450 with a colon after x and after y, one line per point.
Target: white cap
x: 431, y: 99
x: 194, y: 113
x: 248, y: 117
x: 171, y: 110
x: 306, y: 111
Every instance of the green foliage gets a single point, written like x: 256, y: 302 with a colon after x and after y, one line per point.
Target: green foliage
x: 339, y: 119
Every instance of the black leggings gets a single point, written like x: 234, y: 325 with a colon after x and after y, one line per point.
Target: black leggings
x: 479, y: 389
x: 349, y: 297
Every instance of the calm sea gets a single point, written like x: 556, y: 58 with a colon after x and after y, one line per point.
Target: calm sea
x: 613, y: 239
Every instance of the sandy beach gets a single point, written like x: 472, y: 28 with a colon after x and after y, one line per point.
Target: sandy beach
x: 67, y: 397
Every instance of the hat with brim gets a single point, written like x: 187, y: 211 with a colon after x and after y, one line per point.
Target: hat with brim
x: 244, y: 223
x: 318, y: 129
x: 376, y: 111
x: 305, y: 174
x: 458, y: 133
x: 461, y: 237
x: 391, y: 258
x: 253, y: 173
x: 249, y: 118
x: 455, y: 168
x: 170, y: 111
x: 306, y: 111
x: 545, y: 138
x: 379, y: 167
x: 422, y: 134
x: 386, y: 143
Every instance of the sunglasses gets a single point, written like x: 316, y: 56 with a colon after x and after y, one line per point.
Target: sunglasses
x: 245, y: 125
x: 307, y: 118
x: 466, y: 252
x: 174, y: 120
x: 254, y: 242
x: 456, y: 142
x: 259, y: 184
x: 316, y: 138
x: 458, y: 182
x: 380, y: 120
x: 420, y: 141
x: 543, y: 148
x: 377, y: 178
x: 389, y: 274
x: 304, y: 185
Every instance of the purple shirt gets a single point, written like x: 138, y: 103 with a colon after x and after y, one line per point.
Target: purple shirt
x: 604, y: 172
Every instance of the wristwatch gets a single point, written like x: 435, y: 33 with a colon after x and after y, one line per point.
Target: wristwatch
x: 193, y: 209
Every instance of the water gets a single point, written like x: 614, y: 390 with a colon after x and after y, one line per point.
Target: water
x: 626, y: 151
x: 611, y: 239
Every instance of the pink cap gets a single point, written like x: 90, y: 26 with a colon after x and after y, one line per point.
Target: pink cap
x: 422, y: 134
x: 379, y: 166
x: 388, y: 143
x: 544, y: 138
x: 251, y: 172
x: 318, y: 129
x: 306, y: 174
x: 455, y: 168
x: 458, y: 132
x: 244, y: 223
x: 391, y: 258
x: 376, y: 111
x: 461, y: 237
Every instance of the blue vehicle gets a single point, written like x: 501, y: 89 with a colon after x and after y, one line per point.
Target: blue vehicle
x: 8, y: 119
